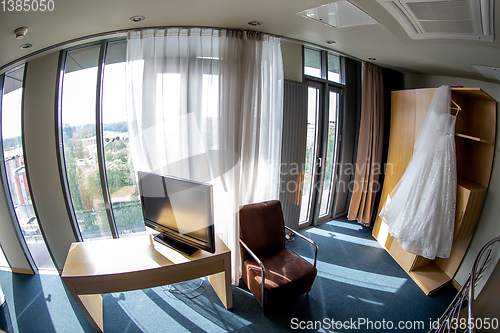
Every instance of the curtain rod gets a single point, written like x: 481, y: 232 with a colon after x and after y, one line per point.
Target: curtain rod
x: 18, y: 61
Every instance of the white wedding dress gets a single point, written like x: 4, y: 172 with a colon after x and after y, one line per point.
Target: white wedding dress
x: 420, y: 211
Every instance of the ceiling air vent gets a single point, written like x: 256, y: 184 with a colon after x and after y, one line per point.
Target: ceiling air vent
x: 459, y: 19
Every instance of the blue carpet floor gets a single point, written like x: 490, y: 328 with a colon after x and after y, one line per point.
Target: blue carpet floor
x: 359, y: 288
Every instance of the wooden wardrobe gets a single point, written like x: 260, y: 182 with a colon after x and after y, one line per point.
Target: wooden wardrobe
x: 475, y: 146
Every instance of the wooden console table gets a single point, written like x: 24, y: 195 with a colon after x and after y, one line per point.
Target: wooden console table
x: 125, y: 264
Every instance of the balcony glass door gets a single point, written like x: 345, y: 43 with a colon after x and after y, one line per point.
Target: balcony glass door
x: 330, y: 159
x: 321, y: 153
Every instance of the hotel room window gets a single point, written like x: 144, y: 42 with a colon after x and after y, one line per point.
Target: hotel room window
x: 312, y: 62
x: 15, y: 171
x: 78, y: 122
x: 99, y: 177
x: 124, y: 197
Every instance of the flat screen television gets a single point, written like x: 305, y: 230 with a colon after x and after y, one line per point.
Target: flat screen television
x: 180, y: 209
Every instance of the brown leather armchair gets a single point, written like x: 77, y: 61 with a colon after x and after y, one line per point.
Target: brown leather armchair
x: 268, y: 267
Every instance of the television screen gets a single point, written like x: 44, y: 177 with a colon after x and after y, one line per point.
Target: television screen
x: 180, y: 209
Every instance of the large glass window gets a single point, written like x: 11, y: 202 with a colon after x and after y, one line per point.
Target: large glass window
x: 15, y: 170
x: 100, y: 177
x: 78, y: 116
x: 124, y: 196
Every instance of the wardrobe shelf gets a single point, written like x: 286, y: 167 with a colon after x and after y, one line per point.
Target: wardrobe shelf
x: 470, y: 185
x: 474, y: 138
x: 429, y: 277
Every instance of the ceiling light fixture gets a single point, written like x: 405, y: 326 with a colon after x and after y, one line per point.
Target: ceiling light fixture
x: 254, y: 23
x: 26, y: 46
x: 338, y: 14
x: 330, y: 42
x: 20, y: 32
x: 136, y: 19
x: 488, y: 71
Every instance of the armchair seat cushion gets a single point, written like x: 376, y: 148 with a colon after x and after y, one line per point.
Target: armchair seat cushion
x: 287, y: 276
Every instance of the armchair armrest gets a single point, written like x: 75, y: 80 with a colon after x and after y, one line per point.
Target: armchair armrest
x: 307, y: 239
x: 262, y: 268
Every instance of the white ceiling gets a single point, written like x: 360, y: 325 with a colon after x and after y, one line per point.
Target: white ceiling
x: 387, y: 41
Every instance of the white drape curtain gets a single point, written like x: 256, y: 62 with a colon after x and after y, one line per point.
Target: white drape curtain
x: 206, y: 105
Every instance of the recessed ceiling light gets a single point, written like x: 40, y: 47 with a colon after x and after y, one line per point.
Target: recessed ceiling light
x: 136, y: 19
x: 20, y: 32
x: 26, y: 46
x: 255, y: 23
x: 330, y: 42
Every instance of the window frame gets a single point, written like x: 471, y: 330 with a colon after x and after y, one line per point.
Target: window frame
x: 99, y: 137
x: 3, y: 176
x: 99, y: 128
x: 326, y: 86
x: 324, y: 67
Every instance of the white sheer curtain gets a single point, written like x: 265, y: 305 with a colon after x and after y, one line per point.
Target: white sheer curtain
x: 206, y: 105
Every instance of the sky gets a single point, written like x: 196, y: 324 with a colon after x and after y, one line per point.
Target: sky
x: 79, y: 91
x: 78, y: 102
x: 11, y: 114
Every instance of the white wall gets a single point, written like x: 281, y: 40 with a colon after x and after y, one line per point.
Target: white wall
x: 40, y: 143
x: 488, y: 226
x: 292, y: 60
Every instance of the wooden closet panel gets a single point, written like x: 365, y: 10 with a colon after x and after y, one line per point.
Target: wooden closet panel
x: 401, y: 140
x: 400, y: 144
x: 403, y: 258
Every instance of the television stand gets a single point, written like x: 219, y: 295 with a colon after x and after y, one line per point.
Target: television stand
x: 124, y: 264
x: 167, y: 241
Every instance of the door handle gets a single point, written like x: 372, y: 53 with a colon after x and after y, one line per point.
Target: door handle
x: 320, y: 162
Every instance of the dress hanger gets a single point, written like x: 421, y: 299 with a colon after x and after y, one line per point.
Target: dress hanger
x: 457, y: 107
